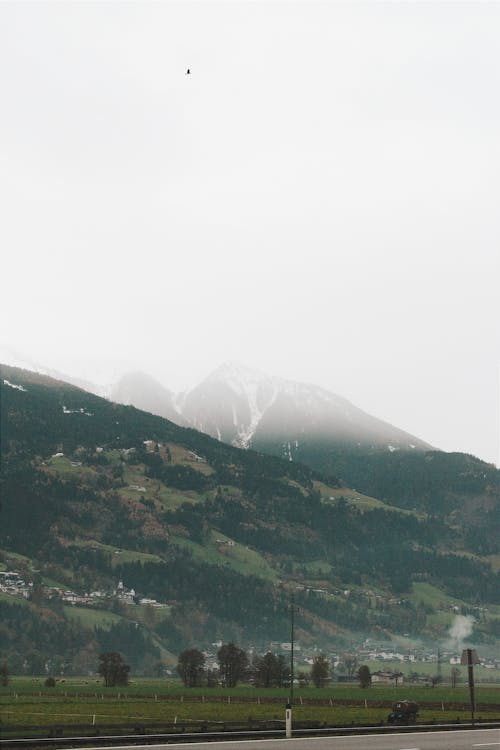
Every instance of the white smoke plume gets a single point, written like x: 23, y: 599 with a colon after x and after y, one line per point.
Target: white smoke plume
x: 460, y: 629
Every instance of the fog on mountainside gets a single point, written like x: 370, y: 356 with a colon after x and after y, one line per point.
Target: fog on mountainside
x: 13, y: 358
x: 246, y: 408
x: 146, y: 393
x: 297, y: 421
x: 306, y: 424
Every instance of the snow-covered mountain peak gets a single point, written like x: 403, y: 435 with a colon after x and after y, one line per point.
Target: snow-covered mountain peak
x: 243, y: 381
x: 238, y: 377
x: 253, y: 392
x: 249, y: 408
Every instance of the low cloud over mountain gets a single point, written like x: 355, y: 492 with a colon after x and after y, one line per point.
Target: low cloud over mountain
x: 248, y: 408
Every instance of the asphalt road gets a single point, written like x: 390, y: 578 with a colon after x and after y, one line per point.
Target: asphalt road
x: 453, y: 740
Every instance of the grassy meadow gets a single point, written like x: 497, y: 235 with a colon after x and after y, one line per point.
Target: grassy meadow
x: 27, y: 702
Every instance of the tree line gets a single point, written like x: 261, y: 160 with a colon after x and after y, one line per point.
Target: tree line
x: 267, y: 670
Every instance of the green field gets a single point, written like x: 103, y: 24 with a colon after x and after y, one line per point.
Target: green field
x: 363, y: 502
x: 432, y: 596
x: 91, y: 618
x: 64, y: 467
x: 26, y: 701
x: 12, y: 599
x: 241, y: 558
x: 150, y: 686
x: 118, y: 555
x: 45, y: 713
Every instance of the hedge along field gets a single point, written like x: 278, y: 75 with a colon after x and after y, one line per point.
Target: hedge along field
x: 25, y: 702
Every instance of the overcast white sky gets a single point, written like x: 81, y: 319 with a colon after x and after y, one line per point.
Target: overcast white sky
x: 319, y: 199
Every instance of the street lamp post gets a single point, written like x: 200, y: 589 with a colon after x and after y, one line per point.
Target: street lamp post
x: 288, y: 715
x: 292, y: 644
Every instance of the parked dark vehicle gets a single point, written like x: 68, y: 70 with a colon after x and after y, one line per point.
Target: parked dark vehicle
x: 403, y: 712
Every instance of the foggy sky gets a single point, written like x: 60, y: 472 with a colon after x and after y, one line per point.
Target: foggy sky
x: 318, y: 199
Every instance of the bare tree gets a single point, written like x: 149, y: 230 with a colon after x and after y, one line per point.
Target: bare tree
x: 320, y: 670
x: 266, y: 670
x: 454, y: 675
x: 4, y: 674
x: 349, y: 663
x: 397, y: 676
x: 191, y: 667
x: 233, y: 663
x: 113, y: 669
x: 364, y: 676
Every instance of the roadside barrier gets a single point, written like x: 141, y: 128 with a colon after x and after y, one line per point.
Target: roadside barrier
x: 140, y: 733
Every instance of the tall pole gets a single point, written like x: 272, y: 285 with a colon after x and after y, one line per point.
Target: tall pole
x: 469, y: 658
x: 470, y: 675
x: 292, y: 638
x: 288, y: 714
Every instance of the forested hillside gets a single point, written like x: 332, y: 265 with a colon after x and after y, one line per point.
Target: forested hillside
x: 119, y: 527
x: 454, y: 486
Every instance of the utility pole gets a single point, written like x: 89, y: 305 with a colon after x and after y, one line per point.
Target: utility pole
x: 288, y: 714
x: 292, y: 639
x: 469, y: 658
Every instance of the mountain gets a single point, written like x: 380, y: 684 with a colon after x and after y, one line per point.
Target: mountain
x: 14, y: 358
x: 123, y: 531
x: 308, y: 424
x: 146, y: 393
x: 248, y: 408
